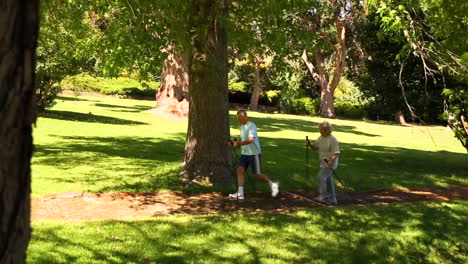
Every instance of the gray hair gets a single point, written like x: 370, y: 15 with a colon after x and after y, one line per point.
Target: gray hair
x: 327, y: 127
x: 242, y: 112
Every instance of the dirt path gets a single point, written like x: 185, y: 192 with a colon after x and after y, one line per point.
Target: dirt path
x: 120, y: 206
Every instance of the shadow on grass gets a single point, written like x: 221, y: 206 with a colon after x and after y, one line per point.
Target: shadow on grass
x: 129, y: 109
x: 74, y: 98
x: 148, y: 164
x: 265, y: 124
x: 404, y: 233
x: 88, y: 117
x: 122, y: 163
x: 363, y: 167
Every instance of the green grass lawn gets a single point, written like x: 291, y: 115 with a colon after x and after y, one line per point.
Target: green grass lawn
x: 434, y: 232
x: 98, y: 144
x: 105, y: 144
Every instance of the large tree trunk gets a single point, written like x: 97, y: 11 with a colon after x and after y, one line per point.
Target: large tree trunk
x: 207, y: 156
x: 172, y: 96
x: 256, y: 89
x: 18, y: 39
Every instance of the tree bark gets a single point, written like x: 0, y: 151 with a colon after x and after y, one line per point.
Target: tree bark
x: 207, y: 156
x: 256, y: 89
x: 18, y: 40
x: 317, y: 70
x: 172, y: 96
x: 400, y: 118
x: 327, y: 108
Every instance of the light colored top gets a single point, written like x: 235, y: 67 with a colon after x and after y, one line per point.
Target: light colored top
x: 247, y: 131
x: 327, y: 146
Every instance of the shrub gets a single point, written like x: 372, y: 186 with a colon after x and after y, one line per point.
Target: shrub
x: 304, y: 105
x: 235, y: 86
x: 348, y: 92
x: 350, y: 110
x: 273, y: 96
x: 109, y: 86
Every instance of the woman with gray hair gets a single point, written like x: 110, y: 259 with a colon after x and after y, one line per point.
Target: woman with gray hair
x: 329, y: 149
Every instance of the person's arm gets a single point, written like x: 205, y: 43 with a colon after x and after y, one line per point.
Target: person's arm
x: 310, y: 145
x: 335, y: 149
x: 313, y: 146
x: 332, y: 159
x: 250, y: 140
x: 252, y: 133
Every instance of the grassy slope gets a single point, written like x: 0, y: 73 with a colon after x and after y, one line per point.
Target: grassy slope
x: 107, y: 144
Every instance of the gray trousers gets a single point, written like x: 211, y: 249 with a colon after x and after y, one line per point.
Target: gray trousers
x: 326, y: 185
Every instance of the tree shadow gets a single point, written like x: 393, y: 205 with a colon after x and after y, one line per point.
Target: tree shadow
x: 88, y: 117
x: 363, y: 167
x: 142, y: 164
x: 378, y: 234
x: 74, y: 98
x: 121, y: 108
x: 275, y: 124
x: 148, y: 164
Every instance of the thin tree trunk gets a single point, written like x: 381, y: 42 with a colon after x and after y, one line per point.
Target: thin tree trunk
x: 326, y: 104
x: 317, y: 70
x: 18, y: 40
x: 207, y: 156
x: 256, y: 89
x: 400, y: 118
x: 321, y: 77
x: 172, y: 96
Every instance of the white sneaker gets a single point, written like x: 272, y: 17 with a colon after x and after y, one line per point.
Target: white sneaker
x: 274, y: 189
x: 319, y: 198
x: 237, y: 196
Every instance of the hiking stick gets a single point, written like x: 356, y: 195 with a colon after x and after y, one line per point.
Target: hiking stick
x: 307, y: 157
x: 339, y: 180
x: 236, y: 180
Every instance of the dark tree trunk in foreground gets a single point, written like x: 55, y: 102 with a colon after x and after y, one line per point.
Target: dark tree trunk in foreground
x: 172, y: 96
x: 256, y: 89
x: 207, y: 156
x: 18, y: 38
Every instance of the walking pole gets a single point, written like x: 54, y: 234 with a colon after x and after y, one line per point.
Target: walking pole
x: 307, y: 158
x: 339, y: 180
x: 237, y: 180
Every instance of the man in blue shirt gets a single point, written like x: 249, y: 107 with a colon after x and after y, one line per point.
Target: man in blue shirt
x: 250, y: 156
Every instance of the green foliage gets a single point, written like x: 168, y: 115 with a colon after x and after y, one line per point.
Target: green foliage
x: 456, y: 113
x: 348, y: 92
x: 109, y: 86
x: 440, y: 24
x: 349, y: 101
x: 241, y: 82
x: 273, y: 95
x: 237, y: 87
x: 377, y: 75
x: 63, y: 48
x: 350, y: 110
x: 290, y: 83
x: 305, y: 106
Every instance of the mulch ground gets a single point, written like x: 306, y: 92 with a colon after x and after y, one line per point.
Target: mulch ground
x: 124, y: 206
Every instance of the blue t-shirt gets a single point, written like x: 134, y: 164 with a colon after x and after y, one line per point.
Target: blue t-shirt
x: 247, y: 131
